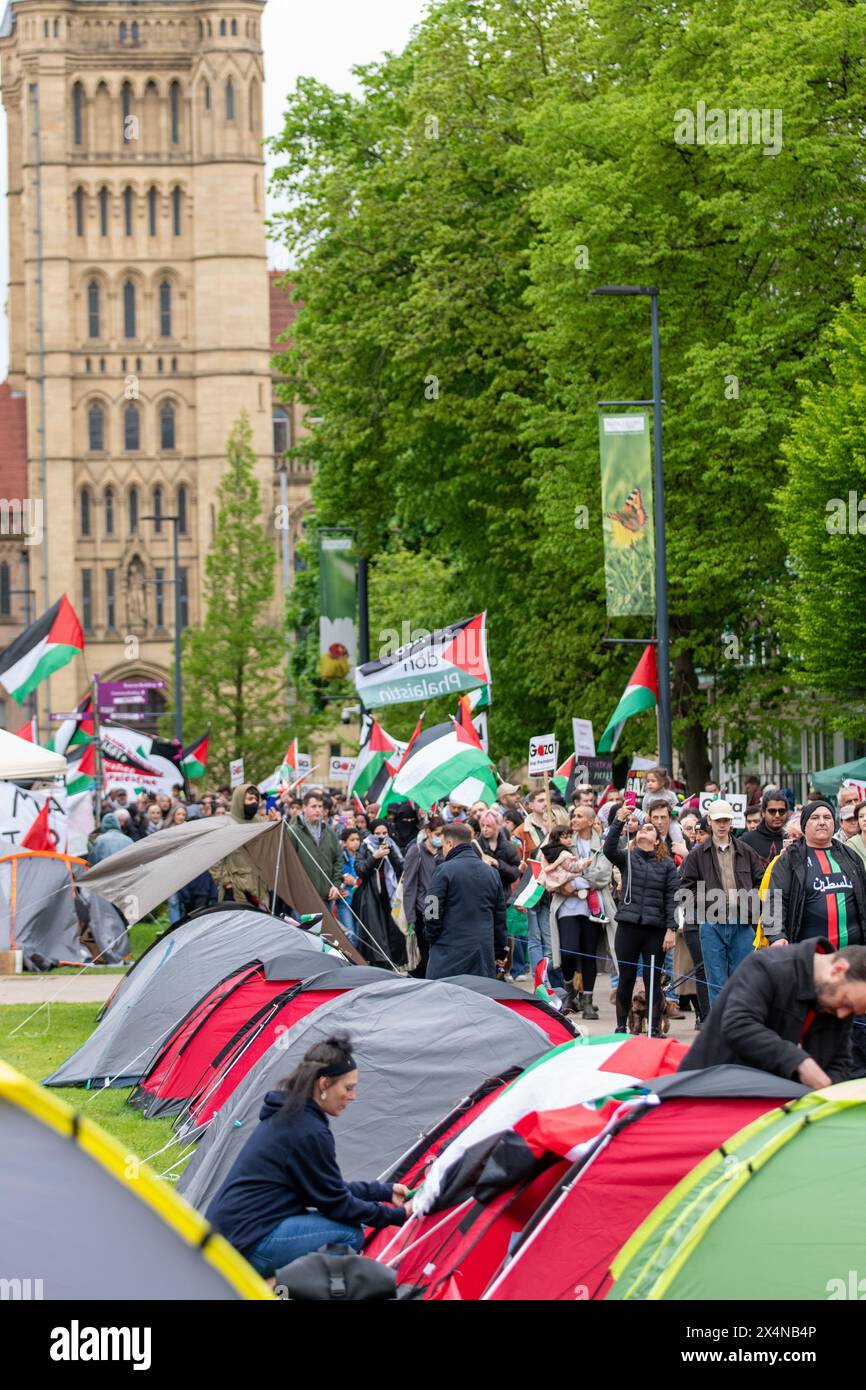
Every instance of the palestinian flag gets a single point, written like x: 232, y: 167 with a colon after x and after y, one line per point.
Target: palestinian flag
x: 81, y: 768
x: 115, y: 752
x: 541, y: 985
x: 642, y: 692
x: 533, y: 889
x: 49, y: 643
x: 479, y: 699
x: 78, y: 729
x: 443, y: 663
x: 28, y: 731
x: 565, y: 777
x: 372, y: 769
x: 290, y: 759
x: 437, y: 761
x: 193, y: 759
x: 382, y: 793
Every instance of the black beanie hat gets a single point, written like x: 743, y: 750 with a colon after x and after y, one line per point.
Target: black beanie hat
x: 810, y: 810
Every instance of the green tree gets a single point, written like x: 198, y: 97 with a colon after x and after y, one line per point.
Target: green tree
x: 233, y: 666
x: 824, y: 527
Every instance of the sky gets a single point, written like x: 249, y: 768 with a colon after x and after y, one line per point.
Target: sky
x: 322, y: 39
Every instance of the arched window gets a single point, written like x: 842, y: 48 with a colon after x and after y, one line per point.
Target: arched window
x: 131, y: 429
x: 108, y: 510
x: 159, y: 365
x: 88, y: 365
x: 126, y: 108
x: 181, y: 509
x: 222, y: 28
x: 134, y: 31
x: 84, y: 512
x: 157, y: 510
x: 5, y: 591
x: 127, y: 211
x: 151, y: 212
x: 165, y: 309
x: 128, y: 309
x: 174, y: 364
x: 93, y: 314
x: 77, y: 114
x: 96, y: 428
x: 234, y: 26
x: 209, y: 30
x: 79, y: 212
x: 207, y: 94
x: 166, y: 426
x: 133, y: 510
x: 176, y: 205
x: 121, y: 32
x: 57, y: 28
x: 103, y: 212
x: 282, y: 438
x: 174, y: 98
x: 230, y: 100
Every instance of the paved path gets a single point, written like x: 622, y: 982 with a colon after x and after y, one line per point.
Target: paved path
x: 89, y: 988
x: 682, y: 1029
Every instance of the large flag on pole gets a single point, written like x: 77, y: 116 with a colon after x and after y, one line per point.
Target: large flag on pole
x: 442, y: 663
x: 437, y: 761
x: 642, y: 692
x: 193, y: 759
x: 43, y: 647
x: 79, y: 728
x: 627, y: 512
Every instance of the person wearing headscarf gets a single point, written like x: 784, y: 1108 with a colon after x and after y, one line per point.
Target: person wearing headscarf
x: 379, y: 865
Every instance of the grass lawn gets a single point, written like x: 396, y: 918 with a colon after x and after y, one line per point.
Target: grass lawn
x: 58, y: 1029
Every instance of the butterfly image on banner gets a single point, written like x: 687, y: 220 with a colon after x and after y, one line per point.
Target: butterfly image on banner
x: 630, y: 522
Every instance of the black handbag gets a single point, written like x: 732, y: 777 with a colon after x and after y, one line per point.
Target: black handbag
x: 336, y: 1274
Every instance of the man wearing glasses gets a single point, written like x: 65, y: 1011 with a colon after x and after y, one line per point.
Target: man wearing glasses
x: 768, y: 839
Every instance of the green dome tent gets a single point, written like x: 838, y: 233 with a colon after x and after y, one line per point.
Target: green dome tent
x: 775, y: 1213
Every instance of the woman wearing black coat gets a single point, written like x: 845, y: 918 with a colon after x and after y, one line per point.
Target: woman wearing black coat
x: 378, y: 865
x: 646, y: 922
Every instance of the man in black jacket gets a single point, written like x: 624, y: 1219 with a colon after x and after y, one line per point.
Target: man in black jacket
x: 768, y: 839
x: 789, y: 1012
x: 465, y: 915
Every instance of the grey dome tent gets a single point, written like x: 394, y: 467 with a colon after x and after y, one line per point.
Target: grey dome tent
x: 43, y: 909
x: 421, y: 1045
x: 76, y: 1224
x: 171, y: 977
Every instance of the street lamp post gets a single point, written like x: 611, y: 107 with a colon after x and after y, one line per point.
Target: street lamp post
x: 178, y: 689
x: 662, y: 626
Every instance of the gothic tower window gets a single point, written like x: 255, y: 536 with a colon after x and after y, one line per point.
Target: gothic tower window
x: 79, y: 212
x: 165, y: 309
x: 181, y: 509
x: 176, y: 204
x: 108, y: 510
x: 128, y: 309
x: 131, y: 429
x: 174, y: 98
x: 151, y: 211
x: 127, y: 211
x: 103, y: 212
x: 96, y: 428
x: 167, y: 432
x: 133, y: 510
x: 93, y: 307
x: 230, y: 100
x: 78, y: 114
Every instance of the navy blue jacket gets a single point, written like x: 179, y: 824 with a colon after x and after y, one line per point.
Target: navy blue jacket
x: 287, y: 1166
x: 464, y: 919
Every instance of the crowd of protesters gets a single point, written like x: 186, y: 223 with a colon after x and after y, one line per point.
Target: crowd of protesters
x: 666, y: 899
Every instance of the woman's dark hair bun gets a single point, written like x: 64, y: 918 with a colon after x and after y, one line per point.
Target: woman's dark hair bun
x: 298, y: 1085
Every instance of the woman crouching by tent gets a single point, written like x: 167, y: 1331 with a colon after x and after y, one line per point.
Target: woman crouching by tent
x: 285, y: 1195
x: 378, y: 864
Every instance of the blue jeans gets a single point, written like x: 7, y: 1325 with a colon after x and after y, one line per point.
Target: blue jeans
x: 301, y: 1235
x: 519, y: 956
x: 347, y: 921
x: 724, y: 947
x: 538, y: 937
x: 175, y: 909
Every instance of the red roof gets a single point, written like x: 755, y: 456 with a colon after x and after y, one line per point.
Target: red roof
x: 283, y: 310
x: 13, y: 444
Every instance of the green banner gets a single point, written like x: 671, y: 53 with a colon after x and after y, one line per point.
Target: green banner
x: 338, y: 633
x: 627, y: 511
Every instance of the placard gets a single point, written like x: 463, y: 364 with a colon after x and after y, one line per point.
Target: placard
x: 594, y: 772
x: 584, y: 739
x: 736, y: 800
x: 859, y: 787
x: 543, y: 754
x: 236, y: 772
x: 341, y: 769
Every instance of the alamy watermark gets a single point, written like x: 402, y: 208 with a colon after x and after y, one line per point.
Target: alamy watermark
x: 22, y: 516
x: 738, y: 126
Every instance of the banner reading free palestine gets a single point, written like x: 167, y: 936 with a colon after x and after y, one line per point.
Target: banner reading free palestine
x: 442, y: 663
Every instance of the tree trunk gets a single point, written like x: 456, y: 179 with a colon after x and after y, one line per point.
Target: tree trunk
x: 688, y: 701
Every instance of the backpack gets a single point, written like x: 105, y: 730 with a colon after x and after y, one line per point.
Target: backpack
x: 336, y: 1274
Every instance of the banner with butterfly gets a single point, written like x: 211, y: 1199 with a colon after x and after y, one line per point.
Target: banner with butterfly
x: 627, y: 505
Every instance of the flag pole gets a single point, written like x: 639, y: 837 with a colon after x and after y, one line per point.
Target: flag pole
x: 98, y: 745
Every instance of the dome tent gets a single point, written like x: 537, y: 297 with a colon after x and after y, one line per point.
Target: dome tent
x: 43, y: 909
x: 420, y: 1046
x: 67, y: 1188
x: 170, y: 978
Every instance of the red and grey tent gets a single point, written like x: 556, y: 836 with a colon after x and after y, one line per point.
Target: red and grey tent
x: 420, y: 1046
x: 213, y: 1047
x: 567, y: 1249
x: 168, y: 980
x: 558, y: 1027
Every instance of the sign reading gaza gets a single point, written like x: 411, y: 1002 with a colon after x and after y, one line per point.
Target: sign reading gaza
x: 542, y: 754
x: 445, y: 662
